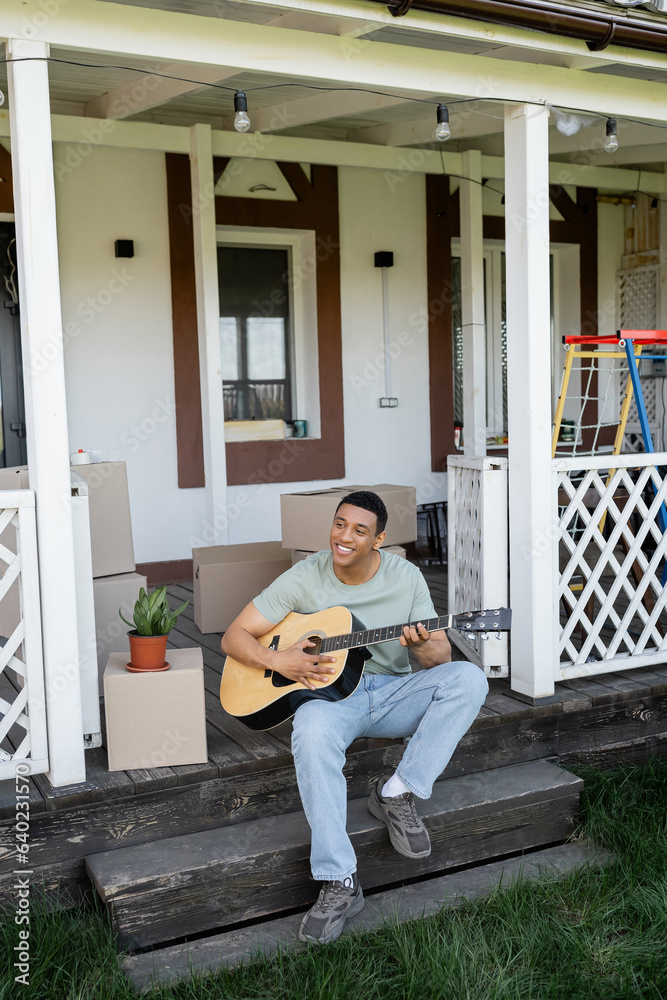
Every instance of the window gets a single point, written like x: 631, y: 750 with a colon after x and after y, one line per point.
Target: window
x: 255, y: 332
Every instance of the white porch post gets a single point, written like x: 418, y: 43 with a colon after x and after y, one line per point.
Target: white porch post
x: 208, y: 323
x: 472, y: 305
x: 529, y: 399
x: 45, y: 403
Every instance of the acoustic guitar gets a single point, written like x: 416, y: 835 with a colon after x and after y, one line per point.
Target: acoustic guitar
x: 263, y: 699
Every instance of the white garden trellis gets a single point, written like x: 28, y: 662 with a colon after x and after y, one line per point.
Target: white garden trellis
x: 477, y: 552
x: 609, y: 535
x: 23, y: 737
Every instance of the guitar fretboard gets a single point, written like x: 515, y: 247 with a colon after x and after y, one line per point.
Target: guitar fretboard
x: 373, y: 635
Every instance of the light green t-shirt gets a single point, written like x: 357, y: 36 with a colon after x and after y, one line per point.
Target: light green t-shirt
x: 396, y: 594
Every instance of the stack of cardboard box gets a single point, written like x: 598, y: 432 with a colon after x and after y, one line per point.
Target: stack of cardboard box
x: 227, y: 577
x: 115, y: 583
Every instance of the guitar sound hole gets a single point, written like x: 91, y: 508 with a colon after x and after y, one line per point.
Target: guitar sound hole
x: 316, y: 641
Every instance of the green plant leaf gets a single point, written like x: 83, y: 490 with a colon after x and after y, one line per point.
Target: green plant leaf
x: 142, y: 622
x: 152, y: 614
x: 157, y: 597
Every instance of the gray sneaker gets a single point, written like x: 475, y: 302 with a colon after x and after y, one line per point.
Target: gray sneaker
x: 406, y: 831
x: 336, y: 903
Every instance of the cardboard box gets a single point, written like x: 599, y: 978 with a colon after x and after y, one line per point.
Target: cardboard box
x: 15, y: 478
x: 306, y: 517
x: 111, y: 593
x: 156, y: 718
x: 397, y: 550
x: 109, y: 506
x: 227, y: 577
x: 110, y: 524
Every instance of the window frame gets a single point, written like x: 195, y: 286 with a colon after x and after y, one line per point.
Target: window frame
x: 303, y: 354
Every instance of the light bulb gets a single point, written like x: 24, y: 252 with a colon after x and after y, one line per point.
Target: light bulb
x: 241, y: 120
x: 611, y: 139
x: 442, y: 130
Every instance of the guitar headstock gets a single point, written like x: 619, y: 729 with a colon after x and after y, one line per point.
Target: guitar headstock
x: 498, y: 620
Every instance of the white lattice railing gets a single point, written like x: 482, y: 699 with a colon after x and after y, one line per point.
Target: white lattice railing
x: 611, y: 545
x: 477, y: 552
x: 22, y: 709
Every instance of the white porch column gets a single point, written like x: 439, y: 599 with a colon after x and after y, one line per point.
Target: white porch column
x: 45, y: 403
x: 529, y: 399
x: 472, y: 305
x: 208, y: 323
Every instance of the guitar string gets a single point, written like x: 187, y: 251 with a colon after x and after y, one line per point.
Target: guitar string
x: 369, y: 637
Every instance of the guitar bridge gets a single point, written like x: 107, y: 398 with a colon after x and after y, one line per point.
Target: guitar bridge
x: 272, y: 645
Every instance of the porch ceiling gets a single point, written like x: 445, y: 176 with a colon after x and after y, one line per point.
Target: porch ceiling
x: 308, y: 112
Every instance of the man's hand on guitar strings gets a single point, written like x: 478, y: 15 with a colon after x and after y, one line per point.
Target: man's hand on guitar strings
x: 297, y: 664
x: 414, y: 636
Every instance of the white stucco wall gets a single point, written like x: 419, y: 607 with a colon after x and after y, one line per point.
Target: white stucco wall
x: 119, y: 360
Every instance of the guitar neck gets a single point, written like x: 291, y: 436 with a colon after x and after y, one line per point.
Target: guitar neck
x: 375, y: 635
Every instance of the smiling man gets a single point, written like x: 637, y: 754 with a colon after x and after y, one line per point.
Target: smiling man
x: 435, y: 705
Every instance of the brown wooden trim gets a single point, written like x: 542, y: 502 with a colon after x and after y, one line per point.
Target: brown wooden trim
x: 189, y: 445
x: 6, y: 182
x: 159, y: 573
x: 295, y: 176
x: 588, y: 263
x: 443, y: 222
x: 441, y: 217
x: 287, y: 461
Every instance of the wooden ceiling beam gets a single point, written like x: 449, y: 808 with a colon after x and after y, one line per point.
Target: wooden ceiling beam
x: 147, y: 91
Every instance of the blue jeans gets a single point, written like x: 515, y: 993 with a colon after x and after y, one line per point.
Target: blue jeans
x: 436, y: 707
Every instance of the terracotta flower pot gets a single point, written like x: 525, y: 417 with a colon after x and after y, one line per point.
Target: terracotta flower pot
x: 147, y: 652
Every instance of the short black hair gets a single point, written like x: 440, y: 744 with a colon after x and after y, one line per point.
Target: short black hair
x: 368, y: 501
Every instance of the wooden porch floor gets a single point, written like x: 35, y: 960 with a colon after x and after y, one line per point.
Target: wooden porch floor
x: 586, y: 718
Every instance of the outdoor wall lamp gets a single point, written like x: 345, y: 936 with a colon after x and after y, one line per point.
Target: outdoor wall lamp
x: 124, y: 248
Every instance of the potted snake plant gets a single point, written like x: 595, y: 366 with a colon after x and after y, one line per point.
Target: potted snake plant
x: 153, y: 621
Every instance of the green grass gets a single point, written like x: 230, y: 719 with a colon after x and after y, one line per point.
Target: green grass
x: 597, y: 934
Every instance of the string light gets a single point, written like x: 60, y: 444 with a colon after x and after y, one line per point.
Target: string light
x: 567, y: 123
x: 442, y: 130
x: 611, y: 139
x: 241, y: 120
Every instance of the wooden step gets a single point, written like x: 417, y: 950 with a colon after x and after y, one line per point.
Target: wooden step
x: 171, y: 888
x: 166, y: 966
